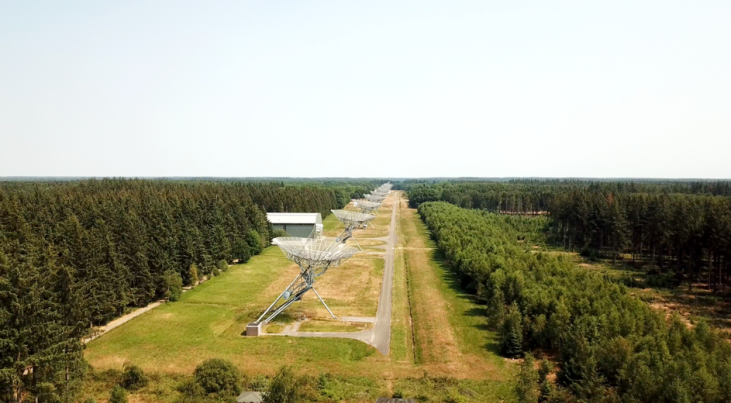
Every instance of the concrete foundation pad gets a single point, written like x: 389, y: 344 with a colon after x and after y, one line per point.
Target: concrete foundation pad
x: 253, y: 329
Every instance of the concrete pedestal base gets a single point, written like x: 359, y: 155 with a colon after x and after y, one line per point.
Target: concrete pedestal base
x: 253, y: 329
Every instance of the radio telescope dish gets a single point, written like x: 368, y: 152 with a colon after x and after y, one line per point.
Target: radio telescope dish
x: 353, y: 220
x: 356, y: 219
x: 318, y: 253
x: 366, y: 206
x: 314, y: 257
x: 378, y: 192
x: 374, y: 198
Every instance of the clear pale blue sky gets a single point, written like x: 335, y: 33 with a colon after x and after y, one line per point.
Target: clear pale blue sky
x: 366, y: 88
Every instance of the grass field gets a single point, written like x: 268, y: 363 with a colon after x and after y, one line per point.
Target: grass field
x: 436, y: 327
x: 333, y: 326
x: 449, y: 328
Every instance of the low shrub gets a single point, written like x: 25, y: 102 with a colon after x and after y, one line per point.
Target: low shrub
x: 174, y: 284
x: 218, y: 376
x: 222, y: 265
x: 133, y: 377
x: 119, y: 395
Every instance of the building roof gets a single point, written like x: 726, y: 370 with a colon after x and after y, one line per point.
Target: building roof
x: 250, y: 397
x: 294, y: 218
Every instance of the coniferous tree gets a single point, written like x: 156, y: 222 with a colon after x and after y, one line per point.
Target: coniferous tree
x: 611, y: 345
x: 74, y: 255
x: 512, y: 333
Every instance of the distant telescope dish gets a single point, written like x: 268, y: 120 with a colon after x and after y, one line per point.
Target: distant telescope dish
x: 353, y: 220
x: 313, y: 256
x: 356, y: 219
x: 375, y: 198
x: 366, y: 206
x: 379, y: 192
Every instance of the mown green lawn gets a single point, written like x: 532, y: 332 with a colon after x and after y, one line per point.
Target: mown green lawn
x: 209, y: 321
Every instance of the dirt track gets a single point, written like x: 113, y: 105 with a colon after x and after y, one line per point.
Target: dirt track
x: 122, y: 320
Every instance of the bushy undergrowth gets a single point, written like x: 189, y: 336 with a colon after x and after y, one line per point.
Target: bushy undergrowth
x: 133, y: 377
x: 218, y: 376
x: 610, y: 345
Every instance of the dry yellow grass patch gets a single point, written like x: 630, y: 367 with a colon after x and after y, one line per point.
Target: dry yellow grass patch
x: 434, y: 336
x: 439, y: 346
x: 368, y: 242
x: 333, y: 325
x: 351, y: 289
x: 277, y: 286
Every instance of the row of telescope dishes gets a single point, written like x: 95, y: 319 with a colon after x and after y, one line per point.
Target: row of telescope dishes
x: 316, y: 254
x: 372, y: 202
x: 359, y: 220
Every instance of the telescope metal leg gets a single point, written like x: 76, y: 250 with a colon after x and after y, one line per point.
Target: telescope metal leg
x: 344, y: 236
x: 281, y: 309
x: 356, y: 242
x: 277, y: 300
x: 323, y: 302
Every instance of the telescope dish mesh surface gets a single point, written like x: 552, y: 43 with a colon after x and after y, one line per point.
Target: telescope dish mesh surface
x: 355, y: 218
x: 314, y: 256
x: 366, y: 203
x: 315, y: 251
x: 375, y: 198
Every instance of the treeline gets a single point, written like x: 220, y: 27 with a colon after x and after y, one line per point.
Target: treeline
x: 609, y: 346
x: 492, y: 196
x: 688, y: 236
x: 680, y: 230
x: 74, y: 255
x: 529, y: 196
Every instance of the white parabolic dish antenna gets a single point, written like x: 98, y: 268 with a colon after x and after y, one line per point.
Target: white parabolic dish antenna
x: 353, y: 220
x: 375, y: 198
x: 356, y: 219
x: 314, y: 252
x: 366, y: 206
x: 313, y: 256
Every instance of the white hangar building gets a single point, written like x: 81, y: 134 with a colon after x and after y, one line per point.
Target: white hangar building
x: 297, y: 224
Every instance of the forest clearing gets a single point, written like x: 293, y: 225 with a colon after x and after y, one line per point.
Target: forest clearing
x: 478, y: 298
x: 209, y: 321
